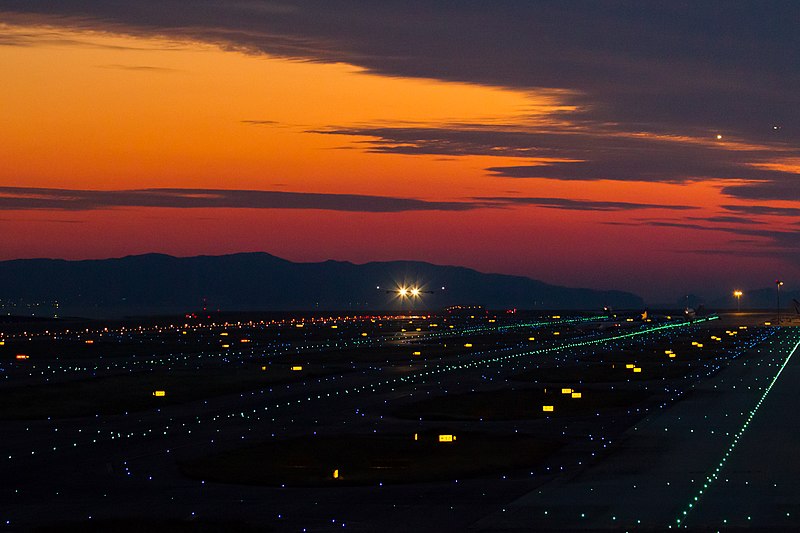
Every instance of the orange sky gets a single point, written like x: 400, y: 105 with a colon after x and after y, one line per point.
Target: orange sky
x: 98, y: 111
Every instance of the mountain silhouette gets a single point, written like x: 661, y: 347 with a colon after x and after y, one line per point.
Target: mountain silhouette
x: 163, y: 284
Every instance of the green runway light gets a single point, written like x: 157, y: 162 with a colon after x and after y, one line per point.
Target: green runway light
x: 713, y: 476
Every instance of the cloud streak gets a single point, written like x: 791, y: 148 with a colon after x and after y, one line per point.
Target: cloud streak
x: 581, y: 205
x: 764, y: 210
x: 25, y: 198
x: 20, y: 198
x: 592, y: 152
x: 777, y: 241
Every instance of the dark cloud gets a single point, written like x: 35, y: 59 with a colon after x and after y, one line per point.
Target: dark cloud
x: 672, y: 65
x: 764, y: 210
x: 140, y: 68
x: 591, y: 152
x: 18, y: 198
x: 260, y: 122
x: 580, y: 205
x: 775, y: 243
x: 784, y: 189
x: 728, y: 219
x: 686, y: 69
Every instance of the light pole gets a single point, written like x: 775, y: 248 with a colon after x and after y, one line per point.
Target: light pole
x: 778, y: 284
x: 738, y: 294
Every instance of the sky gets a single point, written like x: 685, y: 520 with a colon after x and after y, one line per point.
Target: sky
x: 642, y: 146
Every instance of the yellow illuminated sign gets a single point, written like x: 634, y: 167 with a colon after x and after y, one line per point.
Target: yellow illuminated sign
x: 566, y: 391
x: 159, y: 393
x: 576, y: 394
x: 297, y: 367
x: 547, y: 408
x: 447, y: 438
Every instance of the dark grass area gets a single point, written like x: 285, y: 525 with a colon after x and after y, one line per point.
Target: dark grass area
x: 372, y: 459
x: 140, y: 525
x: 519, y: 404
x: 607, y: 372
x: 405, y: 351
x: 134, y: 392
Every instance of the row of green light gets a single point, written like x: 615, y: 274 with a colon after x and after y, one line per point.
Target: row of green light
x: 502, y: 361
x: 171, y: 359
x: 423, y: 375
x: 602, y: 443
x: 410, y: 378
x: 454, y: 367
x: 680, y: 521
x: 550, y: 322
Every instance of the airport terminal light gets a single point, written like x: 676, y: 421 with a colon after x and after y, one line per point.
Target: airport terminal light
x: 738, y: 294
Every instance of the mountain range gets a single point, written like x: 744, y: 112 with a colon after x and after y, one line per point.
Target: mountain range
x: 162, y: 284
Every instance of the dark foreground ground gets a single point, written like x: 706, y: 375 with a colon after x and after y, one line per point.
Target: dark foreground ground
x: 401, y: 423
